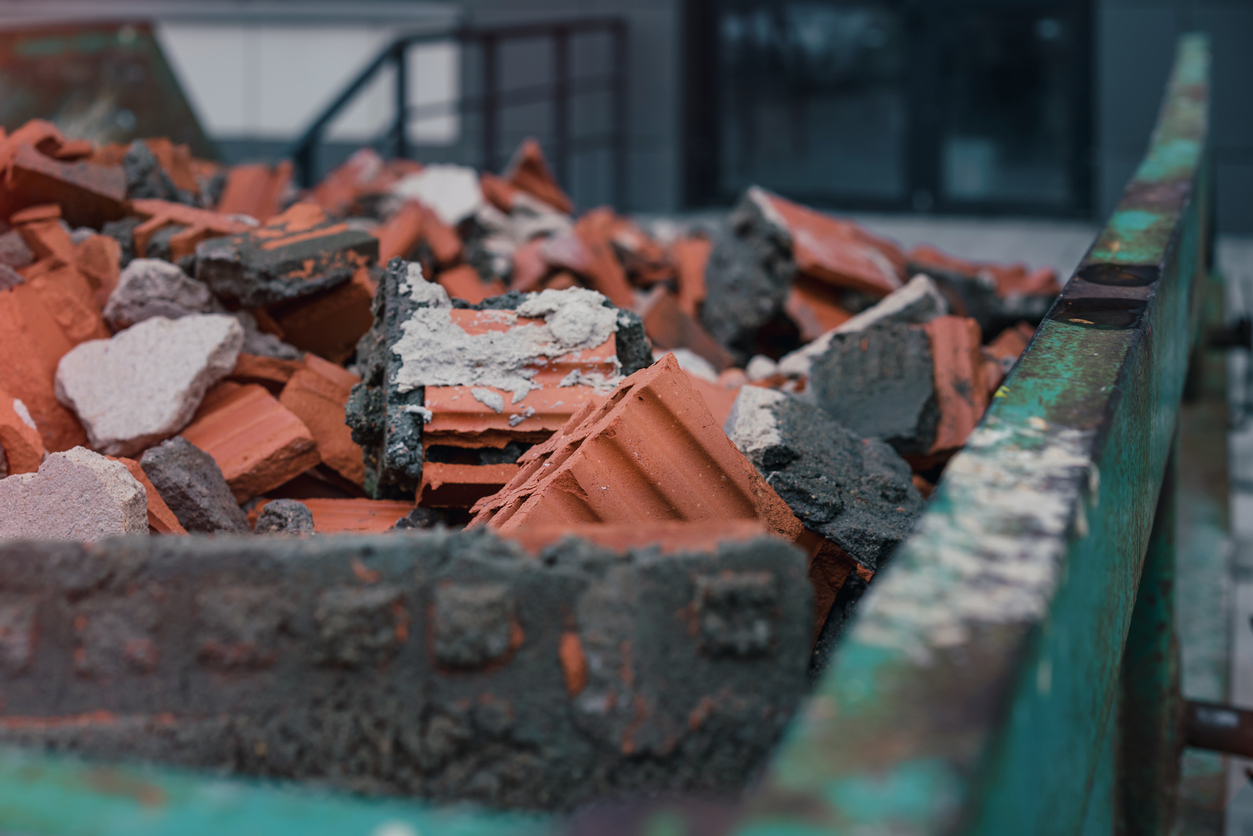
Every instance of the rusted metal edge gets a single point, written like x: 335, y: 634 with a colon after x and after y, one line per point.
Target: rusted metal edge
x: 974, y: 691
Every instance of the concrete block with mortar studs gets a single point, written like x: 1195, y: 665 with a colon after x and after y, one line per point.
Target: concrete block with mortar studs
x: 492, y: 676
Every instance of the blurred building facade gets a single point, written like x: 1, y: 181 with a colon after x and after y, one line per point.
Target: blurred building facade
x: 989, y: 107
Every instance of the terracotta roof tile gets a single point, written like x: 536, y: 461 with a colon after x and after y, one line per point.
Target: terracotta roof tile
x: 198, y: 224
x: 464, y: 282
x: 669, y: 326
x: 691, y: 255
x: 271, y: 372
x: 330, y: 323
x: 529, y: 172
x: 651, y: 452
x: 340, y: 516
x: 960, y: 389
x: 89, y: 195
x: 814, y: 310
x: 256, y: 190
x: 461, y: 485
x: 316, y: 394
x: 256, y: 441
x: 837, y: 251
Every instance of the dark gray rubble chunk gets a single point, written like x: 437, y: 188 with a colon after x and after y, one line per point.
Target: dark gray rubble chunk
x: 284, y: 516
x: 146, y: 179
x: 13, y: 250
x: 450, y: 667
x: 123, y: 231
x: 282, y: 260
x: 857, y: 492
x: 192, y: 484
x: 749, y: 272
x: 880, y: 383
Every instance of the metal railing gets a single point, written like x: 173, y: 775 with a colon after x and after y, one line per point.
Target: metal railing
x: 493, y: 97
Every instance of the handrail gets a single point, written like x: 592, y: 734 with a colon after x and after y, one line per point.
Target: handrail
x: 303, y: 151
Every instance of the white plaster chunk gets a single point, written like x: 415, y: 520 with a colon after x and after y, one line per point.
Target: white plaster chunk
x: 690, y: 362
x: 451, y: 191
x: 434, y: 351
x: 144, y: 385
x: 917, y: 301
x: 75, y: 495
x: 751, y: 425
x: 760, y: 367
x: 492, y: 400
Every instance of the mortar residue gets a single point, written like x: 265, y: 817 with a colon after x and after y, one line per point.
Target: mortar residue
x: 434, y: 351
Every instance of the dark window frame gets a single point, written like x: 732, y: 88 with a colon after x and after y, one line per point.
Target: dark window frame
x: 703, y: 153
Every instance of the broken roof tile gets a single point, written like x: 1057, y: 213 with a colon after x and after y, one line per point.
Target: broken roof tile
x: 329, y: 323
x: 256, y: 441
x: 690, y: 256
x: 21, y: 448
x: 668, y: 326
x: 814, y: 310
x: 88, y: 194
x: 668, y: 536
x: 528, y: 171
x: 198, y: 225
x: 651, y: 452
x: 317, y: 394
x: 463, y: 282
x: 833, y: 250
x: 256, y: 190
x: 447, y: 485
x: 960, y: 391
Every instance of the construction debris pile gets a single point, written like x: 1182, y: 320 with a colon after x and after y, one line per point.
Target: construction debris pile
x: 674, y: 448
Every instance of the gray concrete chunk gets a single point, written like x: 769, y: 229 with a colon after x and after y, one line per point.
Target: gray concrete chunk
x: 145, y: 384
x: 285, y: 516
x: 857, y: 492
x: 151, y: 287
x: 75, y: 495
x: 192, y: 484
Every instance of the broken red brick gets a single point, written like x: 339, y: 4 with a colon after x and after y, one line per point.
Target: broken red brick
x: 362, y: 173
x: 960, y: 390
x: 814, y: 309
x: 529, y: 172
x: 256, y: 190
x: 176, y: 162
x: 651, y: 452
x: 668, y: 326
x: 560, y: 280
x: 330, y: 323
x: 20, y: 443
x: 646, y: 262
x: 34, y: 343
x: 691, y: 256
x: 43, y: 232
x: 497, y: 191
x: 316, y: 394
x: 99, y: 260
x: 529, y: 266
x: 89, y: 195
x: 270, y: 372
x: 161, y: 519
x: 1010, y: 279
x: 198, y: 224
x: 461, y: 485
x: 464, y: 282
x: 835, y: 251
x: 1000, y: 355
x: 399, y: 236
x: 256, y: 441
x: 362, y: 516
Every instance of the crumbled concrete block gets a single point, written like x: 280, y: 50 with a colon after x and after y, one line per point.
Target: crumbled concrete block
x: 284, y: 516
x: 295, y: 254
x: 192, y: 485
x: 855, y: 492
x: 879, y: 383
x: 747, y: 276
x: 422, y: 339
x: 497, y: 677
x: 145, y: 178
x: 918, y: 301
x: 75, y: 495
x: 144, y: 384
x: 151, y: 287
